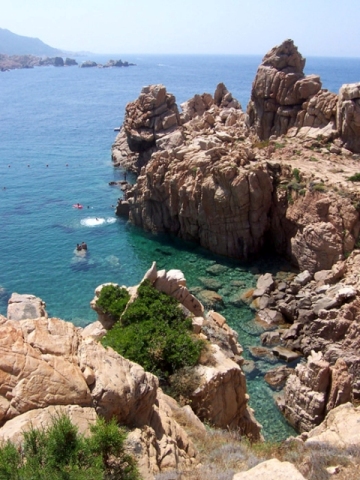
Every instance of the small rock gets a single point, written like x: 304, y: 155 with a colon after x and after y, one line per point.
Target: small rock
x: 285, y: 354
x: 303, y: 278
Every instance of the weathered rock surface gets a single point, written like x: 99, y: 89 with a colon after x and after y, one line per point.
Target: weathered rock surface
x: 205, y: 177
x: 313, y: 390
x: 348, y: 115
x: 270, y: 470
x: 339, y: 429
x: 323, y: 312
x: 25, y: 306
x: 279, y: 90
x: 40, y: 418
x: 49, y: 366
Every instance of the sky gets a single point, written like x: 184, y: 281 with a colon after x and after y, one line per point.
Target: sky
x: 318, y: 27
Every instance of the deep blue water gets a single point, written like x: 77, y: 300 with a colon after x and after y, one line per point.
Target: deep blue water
x: 55, y: 150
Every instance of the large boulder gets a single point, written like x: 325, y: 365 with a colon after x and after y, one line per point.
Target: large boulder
x: 25, y: 306
x: 221, y: 397
x: 270, y: 470
x: 153, y: 115
x: 339, y: 429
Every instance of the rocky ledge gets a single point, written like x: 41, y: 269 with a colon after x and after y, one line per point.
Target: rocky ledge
x: 235, y: 182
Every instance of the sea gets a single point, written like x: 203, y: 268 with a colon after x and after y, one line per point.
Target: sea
x: 57, y: 128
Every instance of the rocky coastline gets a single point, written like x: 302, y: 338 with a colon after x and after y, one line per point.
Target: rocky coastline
x: 14, y: 62
x: 282, y: 176
x: 63, y: 369
x: 278, y: 176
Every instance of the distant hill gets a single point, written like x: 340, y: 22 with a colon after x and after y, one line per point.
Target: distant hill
x: 13, y: 44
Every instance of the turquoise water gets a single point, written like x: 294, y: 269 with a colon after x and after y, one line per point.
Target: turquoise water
x: 55, y: 151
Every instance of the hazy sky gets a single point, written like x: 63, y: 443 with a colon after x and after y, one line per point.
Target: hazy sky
x: 318, y: 27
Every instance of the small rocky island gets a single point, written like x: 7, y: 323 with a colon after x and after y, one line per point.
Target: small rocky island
x: 109, y: 64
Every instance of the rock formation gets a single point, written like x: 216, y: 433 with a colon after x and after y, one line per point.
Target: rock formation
x: 313, y: 390
x: 270, y: 470
x: 220, y: 398
x: 339, y: 429
x: 279, y: 90
x: 323, y: 312
x: 285, y: 101
x: 348, y: 116
x: 48, y: 365
x: 205, y: 176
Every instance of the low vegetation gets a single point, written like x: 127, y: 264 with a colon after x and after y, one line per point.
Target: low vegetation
x: 223, y: 453
x: 113, y: 300
x: 154, y: 332
x: 61, y: 453
x: 355, y: 177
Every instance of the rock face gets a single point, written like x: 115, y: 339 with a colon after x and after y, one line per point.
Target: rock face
x: 49, y: 365
x: 323, y: 312
x: 25, y: 306
x: 285, y: 101
x: 205, y: 177
x: 348, y: 115
x: 279, y: 90
x: 314, y: 390
x: 339, y: 429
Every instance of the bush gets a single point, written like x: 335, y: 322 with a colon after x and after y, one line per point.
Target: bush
x: 61, y: 453
x: 113, y: 300
x: 355, y: 177
x: 296, y: 174
x: 155, y: 333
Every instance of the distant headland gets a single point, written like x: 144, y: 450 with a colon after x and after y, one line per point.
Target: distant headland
x: 17, y: 51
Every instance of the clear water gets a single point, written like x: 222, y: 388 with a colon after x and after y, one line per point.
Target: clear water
x: 55, y: 145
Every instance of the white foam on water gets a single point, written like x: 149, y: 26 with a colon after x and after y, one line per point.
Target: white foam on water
x: 92, y: 221
x: 96, y: 221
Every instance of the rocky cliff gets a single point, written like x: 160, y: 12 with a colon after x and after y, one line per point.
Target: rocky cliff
x: 205, y: 175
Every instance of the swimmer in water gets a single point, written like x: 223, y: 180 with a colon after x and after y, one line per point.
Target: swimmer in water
x: 83, y: 246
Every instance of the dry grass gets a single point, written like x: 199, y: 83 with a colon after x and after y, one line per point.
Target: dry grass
x: 223, y: 453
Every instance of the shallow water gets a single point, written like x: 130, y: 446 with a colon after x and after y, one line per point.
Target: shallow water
x: 55, y: 151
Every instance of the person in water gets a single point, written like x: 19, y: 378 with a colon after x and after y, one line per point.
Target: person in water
x: 78, y: 247
x: 83, y: 246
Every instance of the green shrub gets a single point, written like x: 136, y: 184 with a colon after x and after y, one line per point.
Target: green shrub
x: 113, y: 300
x: 355, y: 178
x: 61, y: 453
x: 296, y: 174
x: 155, y: 333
